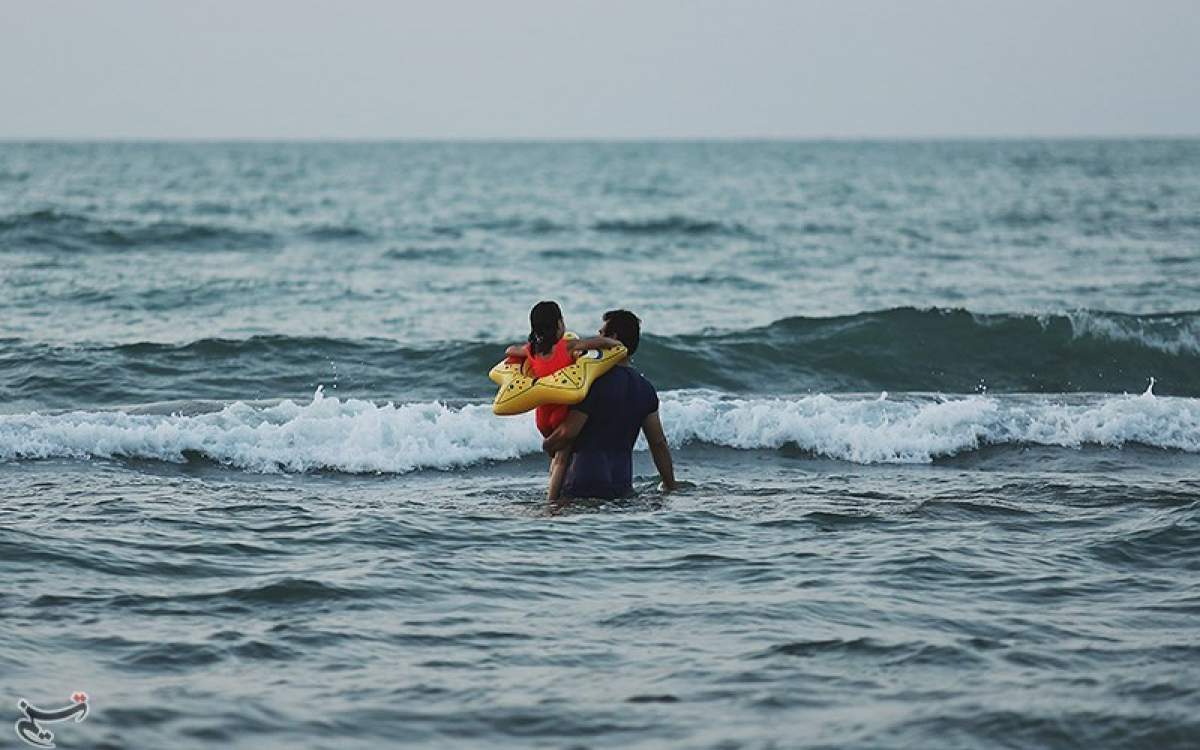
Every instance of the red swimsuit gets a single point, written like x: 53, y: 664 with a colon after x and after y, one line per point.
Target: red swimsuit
x: 550, y: 416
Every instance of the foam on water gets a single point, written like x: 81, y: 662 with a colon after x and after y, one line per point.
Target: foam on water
x: 328, y: 433
x: 360, y: 436
x: 918, y: 429
x: 1173, y: 334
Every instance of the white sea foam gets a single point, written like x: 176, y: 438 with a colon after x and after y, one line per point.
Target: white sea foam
x: 328, y: 433
x: 1174, y: 335
x: 360, y: 436
x: 919, y: 429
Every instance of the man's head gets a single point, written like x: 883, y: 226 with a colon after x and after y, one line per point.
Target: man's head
x: 623, y: 326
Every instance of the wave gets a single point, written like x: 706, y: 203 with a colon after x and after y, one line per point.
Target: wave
x: 673, y: 224
x: 529, y: 225
x: 954, y: 351
x: 274, y: 366
x: 60, y: 230
x: 425, y: 253
x: 1177, y: 333
x: 337, y: 233
x: 921, y: 429
x: 327, y: 433
x: 900, y: 350
x: 330, y: 434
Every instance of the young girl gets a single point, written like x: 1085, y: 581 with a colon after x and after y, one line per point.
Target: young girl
x: 547, y: 353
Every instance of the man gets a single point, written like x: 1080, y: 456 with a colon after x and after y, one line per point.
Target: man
x: 602, y: 428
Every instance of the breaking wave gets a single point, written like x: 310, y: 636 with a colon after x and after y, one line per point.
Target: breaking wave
x: 329, y: 434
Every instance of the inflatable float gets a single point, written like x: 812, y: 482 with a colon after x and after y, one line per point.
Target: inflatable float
x: 521, y: 391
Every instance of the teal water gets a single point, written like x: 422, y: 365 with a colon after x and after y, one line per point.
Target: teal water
x: 935, y: 405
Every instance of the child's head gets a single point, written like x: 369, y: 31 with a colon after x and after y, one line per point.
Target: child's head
x: 545, y: 327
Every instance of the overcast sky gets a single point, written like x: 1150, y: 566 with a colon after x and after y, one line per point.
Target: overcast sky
x: 608, y: 69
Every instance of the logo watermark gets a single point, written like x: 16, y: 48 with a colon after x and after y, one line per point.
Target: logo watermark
x: 33, y: 733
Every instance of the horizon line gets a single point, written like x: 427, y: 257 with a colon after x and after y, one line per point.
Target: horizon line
x: 602, y: 139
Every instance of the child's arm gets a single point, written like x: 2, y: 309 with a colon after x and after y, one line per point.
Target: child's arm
x: 595, y: 342
x: 516, y: 350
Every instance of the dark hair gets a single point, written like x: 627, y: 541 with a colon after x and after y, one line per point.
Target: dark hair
x: 625, y: 327
x: 543, y: 326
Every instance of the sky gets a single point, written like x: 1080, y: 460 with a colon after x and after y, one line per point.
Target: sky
x: 359, y: 69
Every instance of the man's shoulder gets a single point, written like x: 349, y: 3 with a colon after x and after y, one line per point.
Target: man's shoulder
x: 649, y: 394
x: 607, y: 385
x: 619, y: 385
x: 634, y: 388
x: 624, y: 376
x: 641, y: 379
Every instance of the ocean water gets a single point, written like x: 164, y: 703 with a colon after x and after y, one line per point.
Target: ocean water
x: 935, y: 407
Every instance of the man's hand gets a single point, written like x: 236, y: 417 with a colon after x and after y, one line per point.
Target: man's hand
x: 565, y: 433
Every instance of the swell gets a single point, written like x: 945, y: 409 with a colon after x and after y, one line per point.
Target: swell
x: 258, y: 367
x: 56, y: 229
x: 905, y: 349
x: 947, y: 350
x: 71, y: 232
x: 672, y: 224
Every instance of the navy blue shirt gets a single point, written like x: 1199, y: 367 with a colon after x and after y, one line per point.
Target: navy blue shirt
x: 602, y: 461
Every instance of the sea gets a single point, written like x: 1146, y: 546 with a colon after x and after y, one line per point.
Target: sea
x: 934, y: 408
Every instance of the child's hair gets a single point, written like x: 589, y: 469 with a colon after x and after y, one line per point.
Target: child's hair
x: 543, y: 326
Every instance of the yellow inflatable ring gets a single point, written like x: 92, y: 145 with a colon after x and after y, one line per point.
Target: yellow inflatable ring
x: 520, y: 391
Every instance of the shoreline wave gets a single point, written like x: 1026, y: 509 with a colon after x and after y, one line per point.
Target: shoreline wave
x: 354, y: 436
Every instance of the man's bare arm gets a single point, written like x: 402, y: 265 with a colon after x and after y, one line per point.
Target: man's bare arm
x: 659, y: 450
x: 565, y: 433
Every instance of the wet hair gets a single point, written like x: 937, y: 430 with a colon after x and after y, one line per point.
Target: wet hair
x: 543, y: 326
x: 625, y: 327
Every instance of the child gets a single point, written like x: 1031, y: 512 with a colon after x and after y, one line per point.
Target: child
x: 547, y: 353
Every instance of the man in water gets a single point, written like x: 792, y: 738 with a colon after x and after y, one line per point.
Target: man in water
x: 604, y: 426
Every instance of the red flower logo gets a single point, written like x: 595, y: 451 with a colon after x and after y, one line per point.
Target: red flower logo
x: 79, y: 697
